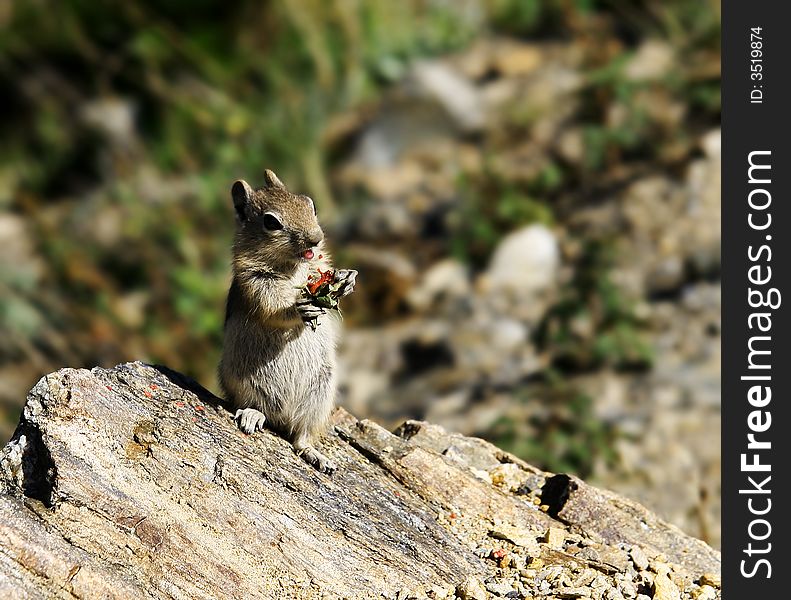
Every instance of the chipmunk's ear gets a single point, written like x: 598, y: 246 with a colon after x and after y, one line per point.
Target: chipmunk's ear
x: 242, y: 195
x: 271, y: 180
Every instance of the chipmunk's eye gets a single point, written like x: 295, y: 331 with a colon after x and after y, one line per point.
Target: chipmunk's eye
x: 271, y: 222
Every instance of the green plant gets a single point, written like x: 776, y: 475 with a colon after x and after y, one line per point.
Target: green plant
x: 558, y: 429
x: 489, y: 208
x: 593, y: 323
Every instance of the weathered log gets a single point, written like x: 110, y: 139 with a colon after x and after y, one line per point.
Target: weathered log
x: 134, y: 482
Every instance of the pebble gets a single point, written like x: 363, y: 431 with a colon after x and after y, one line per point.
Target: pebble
x: 439, y: 593
x: 628, y: 588
x: 664, y: 588
x: 471, y: 589
x: 639, y: 558
x: 555, y: 537
x: 589, y: 554
x: 576, y: 592
x: 614, y: 594
x: 500, y: 588
x: 705, y: 592
x: 519, y: 536
x: 585, y: 578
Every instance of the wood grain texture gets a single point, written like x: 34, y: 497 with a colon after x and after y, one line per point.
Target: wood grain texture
x: 134, y: 482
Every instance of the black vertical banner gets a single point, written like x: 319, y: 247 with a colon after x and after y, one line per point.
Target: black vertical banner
x: 756, y: 232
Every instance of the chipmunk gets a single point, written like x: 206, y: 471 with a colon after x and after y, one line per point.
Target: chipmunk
x: 274, y: 368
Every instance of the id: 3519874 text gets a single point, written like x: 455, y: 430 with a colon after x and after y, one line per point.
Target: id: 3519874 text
x: 756, y: 65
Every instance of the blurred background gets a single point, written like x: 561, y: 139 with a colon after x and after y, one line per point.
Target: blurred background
x: 530, y: 190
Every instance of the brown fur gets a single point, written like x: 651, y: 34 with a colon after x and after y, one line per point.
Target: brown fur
x: 273, y: 367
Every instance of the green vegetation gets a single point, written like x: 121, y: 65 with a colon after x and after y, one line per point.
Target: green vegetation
x: 594, y: 324
x: 562, y: 433
x: 489, y: 209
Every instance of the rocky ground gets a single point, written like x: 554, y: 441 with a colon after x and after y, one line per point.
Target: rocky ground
x: 134, y: 482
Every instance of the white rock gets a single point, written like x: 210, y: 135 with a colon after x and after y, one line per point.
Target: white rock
x: 499, y: 588
x: 705, y: 592
x: 712, y: 143
x: 457, y: 96
x: 664, y: 588
x: 19, y: 259
x: 639, y: 558
x: 652, y: 60
x: 507, y: 334
x: 555, y: 537
x: 471, y: 589
x: 525, y: 261
x: 115, y: 117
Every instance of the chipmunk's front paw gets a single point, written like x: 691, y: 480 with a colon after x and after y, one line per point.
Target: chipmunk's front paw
x: 317, y: 460
x: 309, y: 313
x: 347, y: 279
x: 250, y: 420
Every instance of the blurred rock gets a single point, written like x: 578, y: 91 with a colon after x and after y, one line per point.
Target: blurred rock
x: 386, y: 220
x: 386, y: 276
x: 19, y: 260
x: 114, y: 117
x: 515, y: 59
x: 670, y: 418
x: 445, y: 281
x: 702, y: 224
x: 653, y: 59
x: 403, y: 123
x: 130, y: 308
x: 492, y: 349
x: 393, y: 182
x: 660, y: 107
x: 571, y: 145
x: 524, y: 262
x: 359, y: 387
x: 453, y: 92
x: 667, y: 230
